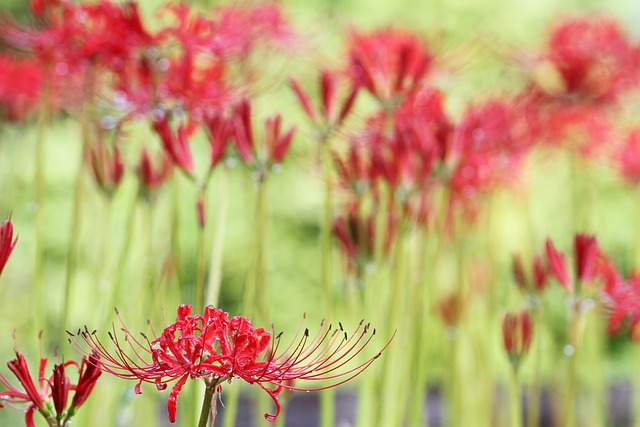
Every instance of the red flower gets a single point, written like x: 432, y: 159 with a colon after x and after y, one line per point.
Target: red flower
x: 7, y: 242
x: 517, y: 333
x: 152, y: 176
x: 275, y: 144
x: 106, y: 163
x: 388, y: 63
x: 558, y: 265
x: 628, y: 158
x: 215, y: 348
x: 595, y: 58
x: 586, y: 257
x: 49, y: 393
x: 534, y: 281
x: 332, y: 110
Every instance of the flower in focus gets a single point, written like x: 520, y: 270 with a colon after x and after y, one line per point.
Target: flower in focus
x: 215, y: 348
x: 7, y: 242
x: 517, y: 332
x: 49, y: 396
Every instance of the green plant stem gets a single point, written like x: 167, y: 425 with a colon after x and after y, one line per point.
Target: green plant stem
x: 533, y: 407
x: 121, y: 265
x: 576, y: 329
x: 217, y: 247
x: 208, y: 411
x: 635, y: 401
x: 201, y: 265
x: 515, y: 400
x: 327, y: 397
x: 39, y: 187
x: 254, y: 302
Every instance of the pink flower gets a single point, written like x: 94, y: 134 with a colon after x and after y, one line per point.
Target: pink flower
x: 216, y: 348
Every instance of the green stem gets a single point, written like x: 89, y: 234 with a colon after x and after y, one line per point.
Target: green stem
x: 515, y: 401
x: 256, y: 289
x: 576, y: 329
x: 121, y: 263
x: 39, y: 187
x: 201, y: 259
x: 327, y: 397
x: 635, y: 401
x: 215, y: 262
x: 533, y: 407
x: 208, y: 410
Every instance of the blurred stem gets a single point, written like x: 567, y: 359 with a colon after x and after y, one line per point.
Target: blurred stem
x: 201, y: 266
x: 576, y: 330
x: 533, y: 408
x: 215, y: 262
x: 175, y: 230
x: 39, y: 187
x: 76, y: 209
x: 256, y: 291
x: 231, y: 400
x: 209, y: 408
x: 396, y: 383
x: 635, y: 401
x: 122, y: 261
x: 515, y: 400
x: 327, y: 397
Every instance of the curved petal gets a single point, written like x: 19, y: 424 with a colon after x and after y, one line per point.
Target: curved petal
x: 172, y: 402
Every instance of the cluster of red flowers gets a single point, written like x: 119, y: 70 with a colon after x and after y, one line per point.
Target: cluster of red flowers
x: 410, y: 150
x: 217, y: 349
x: 193, y: 72
x: 594, y: 276
x: 50, y: 396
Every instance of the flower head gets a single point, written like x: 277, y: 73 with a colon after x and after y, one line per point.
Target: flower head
x: 49, y: 396
x: 215, y: 348
x: 7, y: 242
x: 517, y: 332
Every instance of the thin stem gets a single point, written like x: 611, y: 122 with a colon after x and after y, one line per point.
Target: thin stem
x: 76, y: 218
x: 533, y: 407
x: 201, y: 266
x: 215, y: 262
x: 576, y: 330
x: 515, y: 401
x: 39, y: 186
x: 122, y: 262
x: 208, y: 410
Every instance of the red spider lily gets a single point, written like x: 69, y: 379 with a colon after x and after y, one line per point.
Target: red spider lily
x: 7, y: 242
x: 357, y: 237
x: 332, y: 110
x: 20, y: 87
x: 487, y: 147
x: 628, y: 158
x: 537, y: 281
x: 594, y: 57
x: 586, y: 256
x: 517, y: 333
x: 558, y: 265
x: 41, y: 394
x: 152, y: 177
x: 450, y: 309
x: 586, y: 252
x: 274, y: 145
x: 388, y: 63
x: 176, y: 144
x: 215, y: 348
x: 106, y: 163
